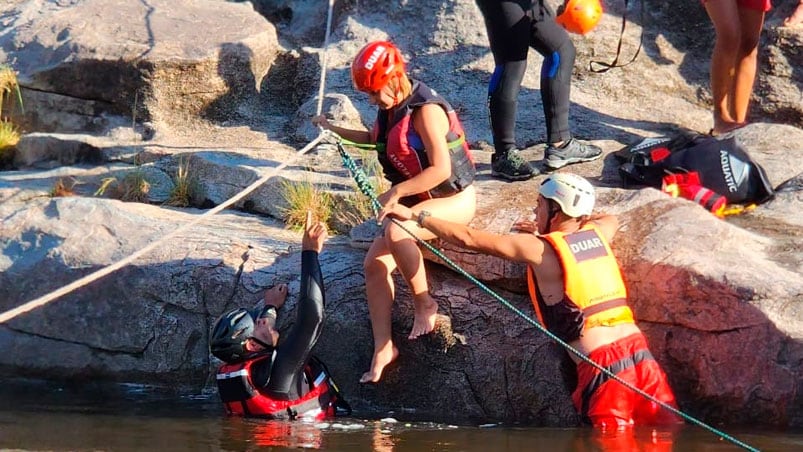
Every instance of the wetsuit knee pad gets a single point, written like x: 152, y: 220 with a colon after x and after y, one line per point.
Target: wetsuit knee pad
x: 559, y: 64
x: 503, y: 92
x: 506, y: 80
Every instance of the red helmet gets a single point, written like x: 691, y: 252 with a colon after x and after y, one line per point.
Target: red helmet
x: 375, y: 65
x: 579, y: 16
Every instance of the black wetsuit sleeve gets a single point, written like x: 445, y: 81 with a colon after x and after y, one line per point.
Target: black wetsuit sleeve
x: 292, y: 354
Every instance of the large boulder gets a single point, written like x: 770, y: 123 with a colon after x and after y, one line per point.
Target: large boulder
x: 168, y: 62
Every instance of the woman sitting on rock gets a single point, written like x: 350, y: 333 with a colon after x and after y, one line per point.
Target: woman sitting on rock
x: 423, y: 151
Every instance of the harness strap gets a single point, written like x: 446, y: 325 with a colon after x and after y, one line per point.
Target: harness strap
x: 615, y: 63
x: 450, y: 144
x: 604, y: 306
x: 615, y: 369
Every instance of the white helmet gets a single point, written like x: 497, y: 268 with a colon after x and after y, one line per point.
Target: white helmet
x: 574, y: 194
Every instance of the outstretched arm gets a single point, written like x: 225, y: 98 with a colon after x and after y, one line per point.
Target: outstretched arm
x: 357, y: 136
x: 294, y: 351
x: 526, y: 248
x: 607, y: 224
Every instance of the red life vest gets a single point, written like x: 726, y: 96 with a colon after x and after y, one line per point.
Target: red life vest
x: 242, y: 397
x: 594, y: 291
x: 401, y: 151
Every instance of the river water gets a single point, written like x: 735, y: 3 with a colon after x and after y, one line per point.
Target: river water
x: 37, y: 415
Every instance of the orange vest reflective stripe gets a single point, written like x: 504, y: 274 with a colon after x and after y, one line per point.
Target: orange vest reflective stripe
x: 241, y: 397
x: 592, y: 279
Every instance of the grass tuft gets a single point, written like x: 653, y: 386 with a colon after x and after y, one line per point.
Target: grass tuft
x: 9, y: 137
x: 357, y: 207
x: 184, y: 185
x: 9, y: 86
x: 104, y: 185
x: 63, y: 187
x: 304, y: 196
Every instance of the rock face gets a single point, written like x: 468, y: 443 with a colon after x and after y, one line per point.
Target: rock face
x: 172, y: 60
x: 211, y: 83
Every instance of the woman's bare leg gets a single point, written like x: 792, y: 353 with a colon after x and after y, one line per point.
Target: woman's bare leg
x: 380, y: 291
x: 459, y: 208
x: 411, y: 264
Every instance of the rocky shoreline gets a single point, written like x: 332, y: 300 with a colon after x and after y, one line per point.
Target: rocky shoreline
x: 223, y: 88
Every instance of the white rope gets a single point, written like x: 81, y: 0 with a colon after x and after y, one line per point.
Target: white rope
x: 45, y: 299
x: 323, y: 57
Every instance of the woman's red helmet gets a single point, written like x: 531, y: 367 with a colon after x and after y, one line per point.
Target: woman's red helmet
x: 376, y: 64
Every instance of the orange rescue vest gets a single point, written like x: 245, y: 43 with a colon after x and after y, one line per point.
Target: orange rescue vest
x: 595, y: 293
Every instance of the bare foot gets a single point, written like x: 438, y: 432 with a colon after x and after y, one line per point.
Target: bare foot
x: 424, y: 321
x: 796, y: 18
x: 380, y: 360
x: 276, y: 295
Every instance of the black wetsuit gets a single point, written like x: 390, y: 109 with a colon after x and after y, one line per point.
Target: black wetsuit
x: 513, y: 27
x: 283, y: 378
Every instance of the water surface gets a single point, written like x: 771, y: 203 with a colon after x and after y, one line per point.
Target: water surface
x: 47, y: 416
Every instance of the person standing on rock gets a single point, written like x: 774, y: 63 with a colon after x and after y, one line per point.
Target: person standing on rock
x: 513, y: 27
x: 424, y: 154
x: 738, y: 25
x: 264, y: 378
x: 579, y: 295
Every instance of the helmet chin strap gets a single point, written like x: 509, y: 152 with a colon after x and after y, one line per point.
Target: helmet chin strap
x: 552, y: 211
x: 261, y: 342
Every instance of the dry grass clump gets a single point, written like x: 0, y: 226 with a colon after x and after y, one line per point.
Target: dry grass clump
x: 302, y: 197
x: 184, y: 185
x: 133, y: 187
x: 9, y: 134
x: 63, y: 187
x: 9, y: 85
x: 9, y: 137
x: 358, y: 207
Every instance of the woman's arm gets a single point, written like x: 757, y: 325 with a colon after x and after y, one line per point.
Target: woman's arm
x: 357, y: 136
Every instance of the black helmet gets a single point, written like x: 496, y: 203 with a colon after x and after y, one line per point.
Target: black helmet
x: 231, y: 330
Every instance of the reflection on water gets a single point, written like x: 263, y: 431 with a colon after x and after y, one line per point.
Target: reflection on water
x: 46, y: 416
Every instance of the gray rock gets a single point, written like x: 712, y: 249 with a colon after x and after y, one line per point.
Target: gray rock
x: 207, y: 60
x: 719, y: 300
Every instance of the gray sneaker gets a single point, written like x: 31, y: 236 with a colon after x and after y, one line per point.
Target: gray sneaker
x: 573, y: 151
x: 511, y: 166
